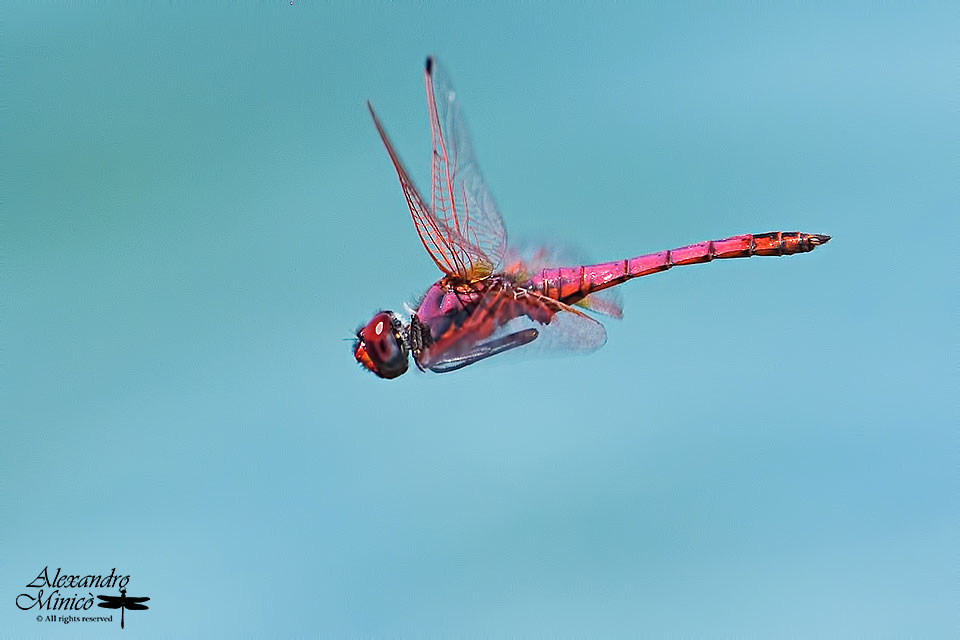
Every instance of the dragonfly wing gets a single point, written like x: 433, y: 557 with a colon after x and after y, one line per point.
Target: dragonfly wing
x: 133, y: 606
x: 569, y: 331
x: 484, y: 350
x: 462, y: 205
x: 435, y: 238
x: 510, y: 317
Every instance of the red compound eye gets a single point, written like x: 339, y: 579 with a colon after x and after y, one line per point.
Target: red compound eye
x: 380, y: 349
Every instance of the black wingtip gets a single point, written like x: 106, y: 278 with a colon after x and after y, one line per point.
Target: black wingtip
x: 429, y: 65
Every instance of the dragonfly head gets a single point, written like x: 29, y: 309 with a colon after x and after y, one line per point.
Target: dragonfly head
x: 381, y: 345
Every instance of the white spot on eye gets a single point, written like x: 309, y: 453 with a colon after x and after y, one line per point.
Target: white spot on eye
x: 379, y: 328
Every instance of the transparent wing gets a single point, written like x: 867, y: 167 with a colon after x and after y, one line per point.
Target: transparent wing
x: 434, y: 238
x: 501, y: 312
x: 463, y: 210
x: 570, y: 331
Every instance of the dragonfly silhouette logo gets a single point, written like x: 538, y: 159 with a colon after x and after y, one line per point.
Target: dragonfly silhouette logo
x: 122, y: 602
x: 67, y: 598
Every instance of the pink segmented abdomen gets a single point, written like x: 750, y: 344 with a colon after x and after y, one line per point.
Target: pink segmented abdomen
x: 572, y: 284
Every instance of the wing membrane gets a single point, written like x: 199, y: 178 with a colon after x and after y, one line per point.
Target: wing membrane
x: 462, y: 207
x: 435, y: 239
x: 505, y: 310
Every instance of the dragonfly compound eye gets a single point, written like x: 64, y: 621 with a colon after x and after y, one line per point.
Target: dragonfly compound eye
x: 381, y: 347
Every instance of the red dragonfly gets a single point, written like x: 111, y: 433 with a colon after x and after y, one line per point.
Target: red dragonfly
x: 491, y: 300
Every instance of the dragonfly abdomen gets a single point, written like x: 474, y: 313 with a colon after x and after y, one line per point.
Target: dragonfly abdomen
x: 572, y: 284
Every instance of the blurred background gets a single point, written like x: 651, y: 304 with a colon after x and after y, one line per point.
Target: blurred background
x: 197, y: 211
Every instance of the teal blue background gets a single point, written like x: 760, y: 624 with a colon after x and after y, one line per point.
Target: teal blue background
x: 197, y: 210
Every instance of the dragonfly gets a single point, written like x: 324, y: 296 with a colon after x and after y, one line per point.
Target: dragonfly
x: 492, y: 299
x: 123, y: 603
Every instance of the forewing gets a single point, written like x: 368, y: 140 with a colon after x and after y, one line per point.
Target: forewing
x: 463, y: 208
x: 435, y: 239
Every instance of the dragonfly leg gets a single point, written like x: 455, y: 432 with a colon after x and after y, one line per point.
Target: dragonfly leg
x: 418, y: 338
x: 485, y: 350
